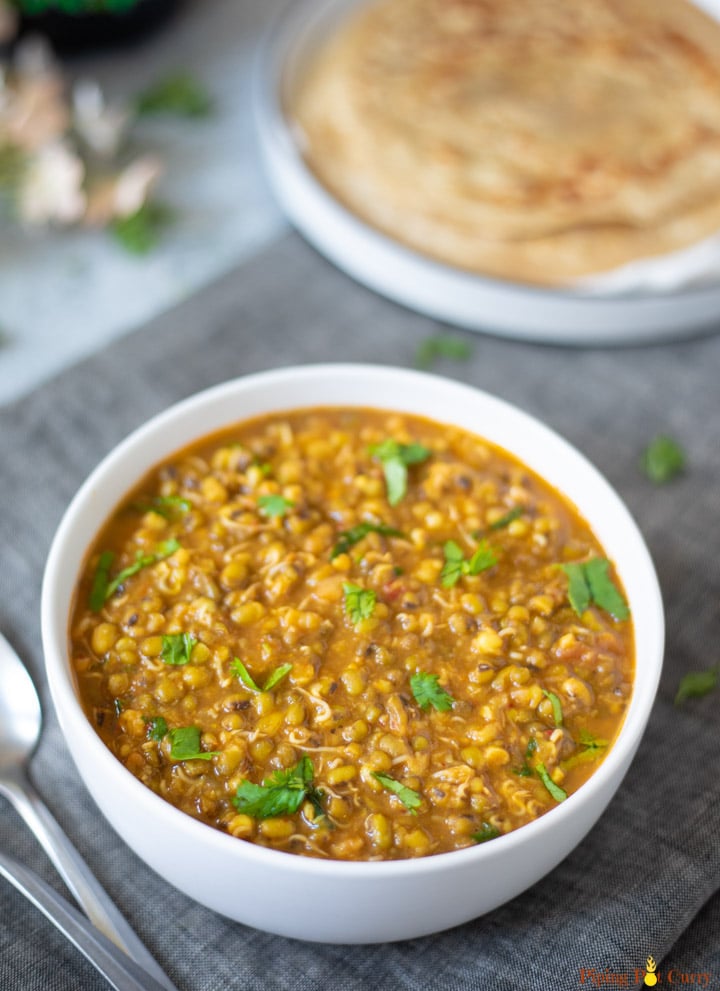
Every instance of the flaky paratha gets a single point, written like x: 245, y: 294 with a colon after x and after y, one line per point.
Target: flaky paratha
x: 538, y: 140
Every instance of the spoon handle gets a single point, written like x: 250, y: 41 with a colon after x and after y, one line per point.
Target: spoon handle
x: 77, y: 875
x: 122, y: 972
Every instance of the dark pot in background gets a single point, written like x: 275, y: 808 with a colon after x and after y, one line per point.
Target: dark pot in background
x: 85, y: 25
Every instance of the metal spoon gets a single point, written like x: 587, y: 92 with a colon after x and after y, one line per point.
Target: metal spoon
x: 20, y: 725
x: 119, y: 970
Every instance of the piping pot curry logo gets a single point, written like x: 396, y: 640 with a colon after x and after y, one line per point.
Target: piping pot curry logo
x: 651, y: 978
x: 644, y: 977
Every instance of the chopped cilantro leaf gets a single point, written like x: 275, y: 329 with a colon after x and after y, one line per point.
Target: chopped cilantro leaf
x: 578, y: 589
x: 485, y: 833
x: 452, y: 569
x: 274, y: 506
x: 395, y: 459
x: 157, y: 727
x: 179, y: 93
x: 164, y: 550
x: 281, y: 794
x: 359, y: 602
x: 276, y: 676
x: 483, y: 558
x: 592, y: 747
x: 427, y: 692
x: 590, y: 582
x: 409, y: 798
x: 456, y: 566
x: 240, y: 671
x: 166, y: 506
x: 177, y: 648
x: 508, y: 518
x: 602, y: 589
x: 556, y: 706
x: 526, y: 770
x: 101, y: 580
x: 103, y: 588
x: 140, y: 232
x: 696, y: 684
x: 185, y: 744
x: 442, y: 346
x: 662, y: 459
x: 555, y: 790
x: 348, y: 538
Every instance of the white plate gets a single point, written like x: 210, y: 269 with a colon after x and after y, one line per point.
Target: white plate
x: 504, y: 308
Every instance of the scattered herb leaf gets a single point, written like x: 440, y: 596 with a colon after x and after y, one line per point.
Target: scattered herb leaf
x: 348, y: 538
x: 603, y: 590
x: 102, y: 587
x: 277, y: 676
x: 514, y: 514
x: 274, y: 506
x: 281, y: 794
x: 101, y: 580
x: 578, y: 589
x: 140, y: 232
x: 485, y: 833
x: 556, y: 706
x: 555, y: 790
x: 410, y: 799
x: 427, y: 692
x: 164, y: 550
x: 166, y: 506
x: 179, y: 93
x: 592, y: 748
x: 240, y: 671
x: 439, y: 346
x: 177, y: 648
x: 118, y: 706
x: 456, y: 566
x: 591, y: 582
x: 185, y: 744
x: 157, y: 727
x: 696, y: 684
x: 359, y: 602
x: 526, y: 770
x: 662, y: 459
x: 395, y: 459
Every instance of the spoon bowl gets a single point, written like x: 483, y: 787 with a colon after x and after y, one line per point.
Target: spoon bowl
x: 20, y: 713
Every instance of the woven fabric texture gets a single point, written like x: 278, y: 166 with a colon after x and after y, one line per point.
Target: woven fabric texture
x: 647, y: 878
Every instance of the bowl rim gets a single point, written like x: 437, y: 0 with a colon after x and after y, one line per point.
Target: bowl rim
x: 502, y: 307
x: 72, y: 529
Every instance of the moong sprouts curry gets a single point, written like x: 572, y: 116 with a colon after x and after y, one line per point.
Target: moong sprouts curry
x: 352, y: 634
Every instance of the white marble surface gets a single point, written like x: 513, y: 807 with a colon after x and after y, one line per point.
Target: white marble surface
x: 64, y: 295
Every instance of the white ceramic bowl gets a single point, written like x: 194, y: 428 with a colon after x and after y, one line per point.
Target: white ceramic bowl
x: 351, y: 902
x: 475, y: 302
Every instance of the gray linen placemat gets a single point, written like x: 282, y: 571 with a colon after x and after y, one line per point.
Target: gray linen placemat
x: 645, y: 881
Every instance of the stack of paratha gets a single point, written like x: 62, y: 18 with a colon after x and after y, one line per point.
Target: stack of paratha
x: 535, y: 140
